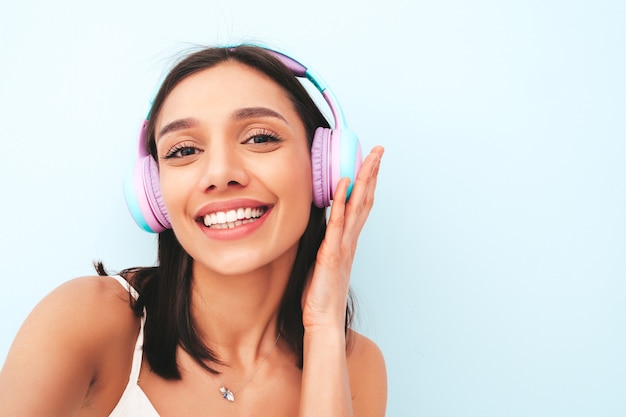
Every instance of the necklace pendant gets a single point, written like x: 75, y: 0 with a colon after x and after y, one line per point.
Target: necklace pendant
x: 227, y: 394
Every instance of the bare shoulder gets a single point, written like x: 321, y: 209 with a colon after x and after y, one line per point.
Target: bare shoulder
x: 87, y: 308
x: 368, y: 376
x: 63, y: 345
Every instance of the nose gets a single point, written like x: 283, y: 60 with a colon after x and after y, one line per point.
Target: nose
x: 223, y: 167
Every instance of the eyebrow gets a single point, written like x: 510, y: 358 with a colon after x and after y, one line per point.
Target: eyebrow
x: 176, y: 125
x: 252, y: 112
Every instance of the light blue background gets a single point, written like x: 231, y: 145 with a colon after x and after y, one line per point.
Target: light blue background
x: 492, y: 270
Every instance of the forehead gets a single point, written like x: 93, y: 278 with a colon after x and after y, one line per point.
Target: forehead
x: 220, y: 89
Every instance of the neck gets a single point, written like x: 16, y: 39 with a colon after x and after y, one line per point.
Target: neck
x: 237, y: 315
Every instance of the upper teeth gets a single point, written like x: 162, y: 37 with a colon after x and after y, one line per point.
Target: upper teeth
x: 232, y: 218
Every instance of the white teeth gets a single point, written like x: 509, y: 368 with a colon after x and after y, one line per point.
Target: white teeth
x: 232, y: 218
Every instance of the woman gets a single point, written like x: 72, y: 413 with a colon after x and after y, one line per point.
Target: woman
x: 244, y: 315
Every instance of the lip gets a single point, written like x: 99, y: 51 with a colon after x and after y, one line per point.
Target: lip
x: 239, y: 231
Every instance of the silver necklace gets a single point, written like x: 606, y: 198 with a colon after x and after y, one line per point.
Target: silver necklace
x: 228, y: 394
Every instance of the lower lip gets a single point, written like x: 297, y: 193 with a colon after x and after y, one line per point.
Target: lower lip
x: 236, y: 232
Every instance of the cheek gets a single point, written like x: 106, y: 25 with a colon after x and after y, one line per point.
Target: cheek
x: 298, y: 191
x: 298, y: 179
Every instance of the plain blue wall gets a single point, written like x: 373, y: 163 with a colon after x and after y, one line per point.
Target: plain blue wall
x: 492, y: 270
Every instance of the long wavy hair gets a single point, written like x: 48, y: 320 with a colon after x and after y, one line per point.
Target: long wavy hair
x: 165, y: 289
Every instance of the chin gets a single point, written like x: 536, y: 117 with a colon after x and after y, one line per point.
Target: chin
x: 240, y: 263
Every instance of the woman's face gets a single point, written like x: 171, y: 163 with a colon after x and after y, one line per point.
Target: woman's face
x: 235, y: 169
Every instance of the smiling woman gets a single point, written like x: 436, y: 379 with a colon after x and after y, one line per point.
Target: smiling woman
x: 248, y: 310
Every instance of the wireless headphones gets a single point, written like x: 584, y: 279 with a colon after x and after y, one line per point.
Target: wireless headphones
x: 335, y: 154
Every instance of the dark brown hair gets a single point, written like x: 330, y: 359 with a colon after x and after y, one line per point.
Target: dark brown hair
x: 165, y: 290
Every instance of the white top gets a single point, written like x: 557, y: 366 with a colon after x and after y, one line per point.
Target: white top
x: 134, y: 402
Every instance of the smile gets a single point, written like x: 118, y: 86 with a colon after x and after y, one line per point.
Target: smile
x: 233, y: 218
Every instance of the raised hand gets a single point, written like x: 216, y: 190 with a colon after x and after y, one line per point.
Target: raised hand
x: 324, y: 299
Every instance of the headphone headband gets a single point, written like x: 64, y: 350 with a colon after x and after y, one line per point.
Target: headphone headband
x: 299, y: 70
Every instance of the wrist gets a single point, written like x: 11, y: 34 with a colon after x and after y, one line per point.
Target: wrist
x: 325, y: 320
x: 327, y: 333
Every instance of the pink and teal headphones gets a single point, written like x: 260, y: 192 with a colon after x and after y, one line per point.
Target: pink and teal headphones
x: 335, y: 154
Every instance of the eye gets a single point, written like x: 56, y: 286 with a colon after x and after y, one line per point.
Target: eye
x: 181, y: 151
x: 259, y: 139
x: 262, y: 137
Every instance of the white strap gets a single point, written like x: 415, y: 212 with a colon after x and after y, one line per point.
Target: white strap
x: 138, y: 354
x: 126, y: 285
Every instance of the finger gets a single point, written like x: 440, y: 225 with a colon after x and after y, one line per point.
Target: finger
x: 346, y: 219
x: 368, y: 200
x: 362, y: 198
x: 368, y: 171
x: 331, y: 249
x: 336, y: 219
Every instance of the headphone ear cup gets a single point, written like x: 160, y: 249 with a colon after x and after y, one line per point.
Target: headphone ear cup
x: 320, y: 165
x: 152, y: 187
x: 350, y: 159
x: 143, y: 196
x: 143, y: 191
x: 334, y: 155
